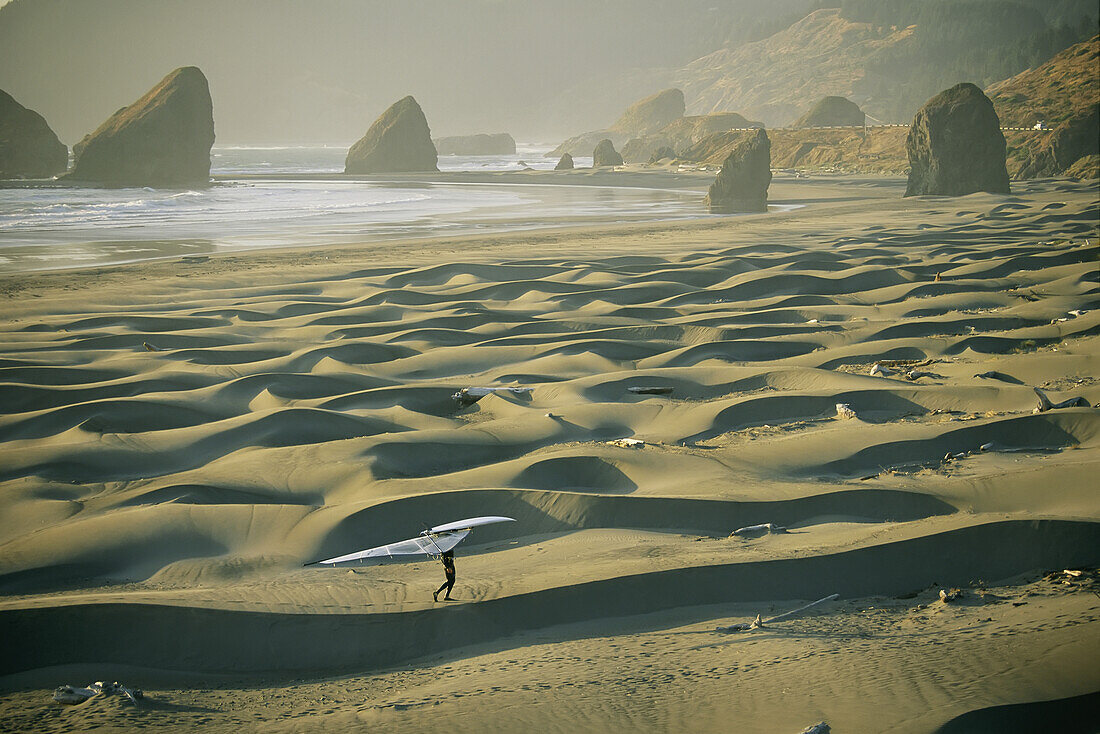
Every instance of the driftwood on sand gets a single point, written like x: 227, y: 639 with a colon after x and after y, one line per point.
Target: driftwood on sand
x: 757, y: 623
x: 756, y: 531
x: 645, y: 390
x: 75, y: 694
x: 470, y: 395
x: 1045, y: 404
x: 843, y: 410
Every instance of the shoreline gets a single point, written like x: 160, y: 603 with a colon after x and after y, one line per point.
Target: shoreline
x: 814, y: 197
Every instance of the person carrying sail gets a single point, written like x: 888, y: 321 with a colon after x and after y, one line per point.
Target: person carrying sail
x: 448, y: 560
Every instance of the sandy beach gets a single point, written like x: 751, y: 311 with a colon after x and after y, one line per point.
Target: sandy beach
x: 179, y: 437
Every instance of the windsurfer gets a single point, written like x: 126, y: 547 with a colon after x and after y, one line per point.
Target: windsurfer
x: 448, y: 560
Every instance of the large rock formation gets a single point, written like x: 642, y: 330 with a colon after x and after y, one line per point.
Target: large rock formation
x: 651, y: 114
x: 879, y: 150
x: 833, y: 112
x: 955, y: 145
x: 398, y: 142
x: 481, y: 144
x: 565, y: 163
x: 742, y: 184
x: 644, y: 117
x: 163, y: 139
x: 662, y: 154
x: 1055, y: 153
x: 606, y: 155
x: 28, y: 147
x: 683, y: 133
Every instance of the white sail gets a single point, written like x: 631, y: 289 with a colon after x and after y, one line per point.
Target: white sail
x: 472, y: 522
x: 430, y: 543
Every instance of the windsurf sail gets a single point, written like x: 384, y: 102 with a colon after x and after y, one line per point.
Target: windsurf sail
x: 432, y: 542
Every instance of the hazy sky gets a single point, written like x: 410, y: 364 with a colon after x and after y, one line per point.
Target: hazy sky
x: 322, y: 70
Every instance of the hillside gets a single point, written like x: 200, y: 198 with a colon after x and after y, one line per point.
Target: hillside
x: 887, y: 56
x: 1064, y: 94
x: 777, y: 79
x: 1056, y: 91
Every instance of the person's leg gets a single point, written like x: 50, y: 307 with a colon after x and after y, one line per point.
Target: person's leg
x: 446, y: 585
x: 450, y: 585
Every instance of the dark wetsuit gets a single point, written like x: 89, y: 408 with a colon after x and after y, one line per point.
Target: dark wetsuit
x: 448, y: 559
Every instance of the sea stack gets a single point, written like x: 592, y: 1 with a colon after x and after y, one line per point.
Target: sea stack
x: 398, y: 142
x: 833, y: 112
x: 742, y: 183
x: 28, y: 147
x: 163, y: 139
x: 565, y: 163
x: 956, y: 146
x: 606, y: 155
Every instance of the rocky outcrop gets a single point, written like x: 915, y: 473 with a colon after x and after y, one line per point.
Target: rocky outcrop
x: 1041, y: 95
x: 683, y: 133
x: 955, y: 145
x: 399, y: 141
x: 644, y: 117
x: 565, y: 163
x: 833, y: 112
x: 1085, y: 168
x: 582, y: 145
x: 28, y: 147
x: 742, y: 184
x: 605, y: 155
x: 662, y: 154
x: 714, y: 148
x: 878, y: 150
x: 651, y: 114
x: 481, y: 144
x: 1058, y: 151
x: 163, y: 139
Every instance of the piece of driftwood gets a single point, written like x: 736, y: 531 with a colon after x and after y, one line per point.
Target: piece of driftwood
x: 757, y: 623
x: 995, y: 375
x: 757, y: 531
x: 913, y: 375
x: 627, y: 443
x: 949, y: 595
x: 822, y: 727
x: 1045, y: 404
x: 650, y: 390
x: 470, y: 395
x: 843, y: 410
x: 75, y: 694
x: 879, y: 369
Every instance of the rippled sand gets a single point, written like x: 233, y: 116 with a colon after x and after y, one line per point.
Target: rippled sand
x: 179, y: 437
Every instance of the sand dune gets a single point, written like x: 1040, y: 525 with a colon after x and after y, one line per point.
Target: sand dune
x: 177, y: 439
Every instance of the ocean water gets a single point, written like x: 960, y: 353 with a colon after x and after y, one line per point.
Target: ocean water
x: 54, y: 227
x: 232, y: 160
